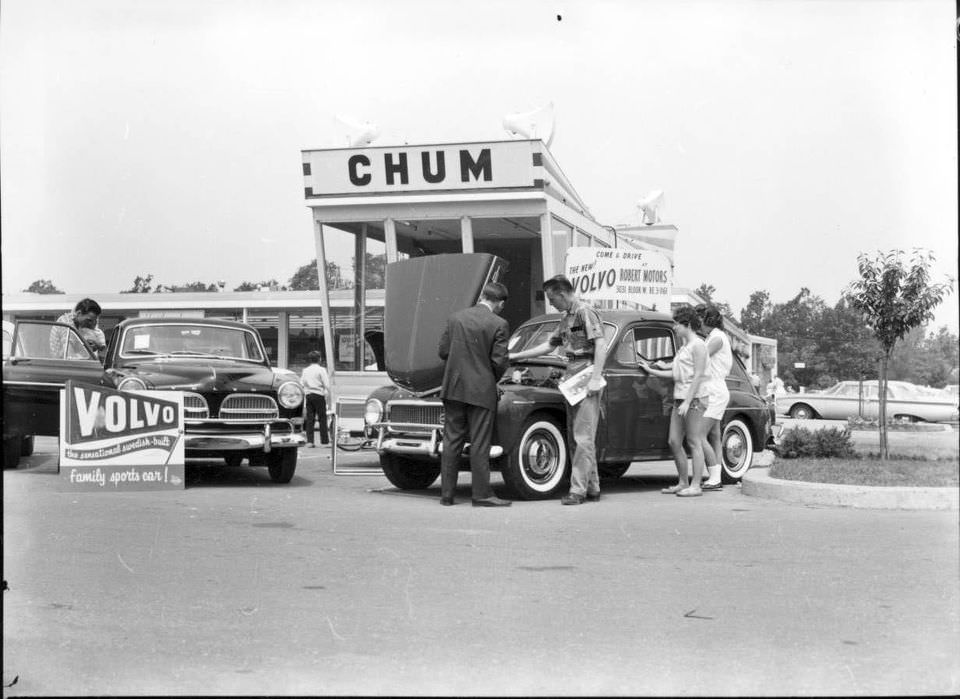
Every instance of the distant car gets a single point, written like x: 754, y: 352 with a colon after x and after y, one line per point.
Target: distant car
x: 905, y: 401
x: 531, y: 447
x: 8, y: 328
x: 235, y: 405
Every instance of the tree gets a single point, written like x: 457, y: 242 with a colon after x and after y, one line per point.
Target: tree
x: 756, y: 312
x: 180, y: 288
x: 253, y: 286
x: 927, y: 360
x: 195, y: 286
x: 376, y: 270
x: 848, y: 347
x: 796, y: 326
x: 43, y: 286
x: 307, y: 279
x: 706, y: 292
x: 894, y: 298
x: 141, y: 285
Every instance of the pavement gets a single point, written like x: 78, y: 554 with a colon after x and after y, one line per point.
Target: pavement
x: 335, y: 585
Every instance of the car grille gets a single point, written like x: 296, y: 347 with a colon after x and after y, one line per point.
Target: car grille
x: 248, y: 407
x: 416, y: 413
x: 195, y: 407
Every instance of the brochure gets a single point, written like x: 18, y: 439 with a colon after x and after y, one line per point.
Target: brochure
x: 574, y: 387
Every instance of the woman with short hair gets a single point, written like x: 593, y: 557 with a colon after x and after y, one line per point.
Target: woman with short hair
x: 719, y: 363
x: 689, y: 373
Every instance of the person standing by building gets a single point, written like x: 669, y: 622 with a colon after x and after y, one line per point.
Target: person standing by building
x: 473, y: 347
x: 580, y: 334
x: 689, y: 373
x: 719, y: 363
x: 85, y: 318
x: 316, y: 384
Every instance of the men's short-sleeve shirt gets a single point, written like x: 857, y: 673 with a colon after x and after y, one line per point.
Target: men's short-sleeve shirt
x: 579, y: 327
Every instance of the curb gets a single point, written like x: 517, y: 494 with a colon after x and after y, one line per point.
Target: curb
x: 760, y: 484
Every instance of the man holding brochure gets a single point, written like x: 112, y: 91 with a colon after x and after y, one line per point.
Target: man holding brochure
x: 580, y: 334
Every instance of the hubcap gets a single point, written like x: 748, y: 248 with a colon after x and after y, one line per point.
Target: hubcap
x: 734, y: 448
x: 540, y: 457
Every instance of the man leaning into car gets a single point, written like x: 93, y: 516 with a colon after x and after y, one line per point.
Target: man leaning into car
x: 580, y: 334
x: 84, y: 318
x: 473, y: 347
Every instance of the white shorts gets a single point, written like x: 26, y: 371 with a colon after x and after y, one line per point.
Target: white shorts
x: 716, y: 401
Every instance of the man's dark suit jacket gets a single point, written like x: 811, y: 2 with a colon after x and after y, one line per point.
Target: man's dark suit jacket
x: 474, y: 347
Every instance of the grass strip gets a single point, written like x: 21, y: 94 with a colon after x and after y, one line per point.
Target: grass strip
x: 943, y: 473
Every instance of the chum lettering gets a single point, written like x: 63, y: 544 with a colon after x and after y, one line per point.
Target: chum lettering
x: 432, y: 167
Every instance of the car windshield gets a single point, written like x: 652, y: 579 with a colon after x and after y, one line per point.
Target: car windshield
x: 912, y: 392
x: 837, y: 388
x: 535, y: 334
x: 191, y: 341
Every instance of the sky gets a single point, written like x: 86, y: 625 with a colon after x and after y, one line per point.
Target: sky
x: 164, y: 137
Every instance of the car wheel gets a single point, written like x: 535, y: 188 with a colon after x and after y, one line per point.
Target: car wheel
x: 409, y: 474
x: 613, y: 470
x: 281, y: 463
x: 536, y: 468
x: 233, y: 460
x: 26, y: 445
x: 11, y: 452
x: 736, y: 447
x: 802, y: 411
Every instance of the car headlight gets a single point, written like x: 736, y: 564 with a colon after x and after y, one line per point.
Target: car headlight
x: 132, y: 383
x: 372, y: 411
x: 290, y: 394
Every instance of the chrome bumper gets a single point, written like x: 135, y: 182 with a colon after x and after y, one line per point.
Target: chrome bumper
x: 264, y: 440
x: 431, y: 446
x: 773, y: 441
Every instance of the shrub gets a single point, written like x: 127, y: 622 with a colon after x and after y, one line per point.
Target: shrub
x: 832, y: 443
x: 801, y: 442
x: 795, y: 442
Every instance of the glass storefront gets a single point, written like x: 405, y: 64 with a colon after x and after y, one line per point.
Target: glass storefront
x: 306, y: 334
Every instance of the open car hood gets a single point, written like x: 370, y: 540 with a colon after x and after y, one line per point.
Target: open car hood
x: 420, y: 294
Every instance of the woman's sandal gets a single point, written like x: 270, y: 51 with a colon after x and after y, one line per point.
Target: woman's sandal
x: 673, y: 489
x: 689, y: 493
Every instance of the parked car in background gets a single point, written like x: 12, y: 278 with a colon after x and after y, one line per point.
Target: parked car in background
x: 531, y: 447
x: 905, y: 401
x: 235, y: 405
x: 8, y: 328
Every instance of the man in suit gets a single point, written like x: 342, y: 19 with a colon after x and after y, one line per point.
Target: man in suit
x: 474, y: 347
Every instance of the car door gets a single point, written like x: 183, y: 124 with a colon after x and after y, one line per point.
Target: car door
x: 637, y: 405
x: 871, y: 402
x: 42, y: 358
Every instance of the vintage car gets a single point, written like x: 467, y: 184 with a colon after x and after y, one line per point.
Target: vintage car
x: 235, y: 405
x: 531, y: 448
x: 905, y: 401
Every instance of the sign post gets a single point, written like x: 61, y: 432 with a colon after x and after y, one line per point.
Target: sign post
x: 118, y: 440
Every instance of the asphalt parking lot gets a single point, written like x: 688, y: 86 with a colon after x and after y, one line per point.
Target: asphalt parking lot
x: 344, y: 585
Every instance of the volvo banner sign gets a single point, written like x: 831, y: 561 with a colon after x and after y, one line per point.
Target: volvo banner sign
x: 119, y: 440
x: 641, y: 277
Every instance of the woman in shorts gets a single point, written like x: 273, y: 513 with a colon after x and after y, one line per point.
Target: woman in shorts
x: 688, y: 371
x: 719, y: 362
